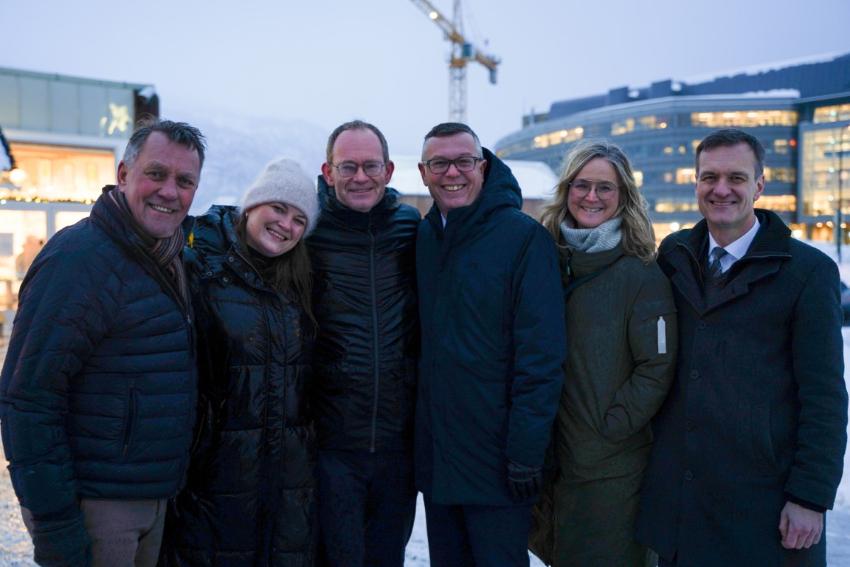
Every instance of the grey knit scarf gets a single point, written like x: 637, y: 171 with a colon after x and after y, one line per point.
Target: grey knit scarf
x: 604, y: 237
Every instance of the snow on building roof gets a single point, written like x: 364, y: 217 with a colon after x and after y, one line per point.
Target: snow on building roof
x: 536, y: 179
x: 762, y: 67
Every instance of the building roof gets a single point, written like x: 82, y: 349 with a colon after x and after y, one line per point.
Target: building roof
x: 803, y: 77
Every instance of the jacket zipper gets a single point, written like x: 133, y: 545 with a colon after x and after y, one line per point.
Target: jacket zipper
x: 376, y: 349
x: 131, y: 417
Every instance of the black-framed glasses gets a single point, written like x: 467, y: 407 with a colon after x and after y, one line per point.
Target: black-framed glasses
x: 604, y: 189
x: 370, y: 168
x: 442, y: 165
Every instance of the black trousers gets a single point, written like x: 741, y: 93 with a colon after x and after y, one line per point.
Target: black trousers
x: 478, y: 536
x: 367, y: 504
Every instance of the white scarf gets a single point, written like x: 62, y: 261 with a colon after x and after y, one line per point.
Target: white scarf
x: 604, y: 237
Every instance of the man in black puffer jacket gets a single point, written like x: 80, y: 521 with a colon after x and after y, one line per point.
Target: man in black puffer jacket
x: 98, y: 386
x: 365, y: 355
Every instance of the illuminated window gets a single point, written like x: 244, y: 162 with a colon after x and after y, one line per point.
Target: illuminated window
x: 837, y: 113
x: 785, y: 203
x: 649, y: 122
x: 744, y: 119
x: 780, y: 174
x: 825, y: 170
x: 668, y: 150
x: 676, y: 206
x: 780, y: 147
x: 638, y: 175
x: 623, y: 127
x: 683, y: 149
x: 558, y: 137
x: 57, y: 173
x: 668, y: 177
x: 685, y: 176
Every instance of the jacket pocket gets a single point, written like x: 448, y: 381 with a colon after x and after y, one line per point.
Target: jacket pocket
x: 130, y: 420
x: 762, y: 438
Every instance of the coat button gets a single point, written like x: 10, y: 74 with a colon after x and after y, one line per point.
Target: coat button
x: 231, y: 259
x: 689, y: 475
x: 694, y: 374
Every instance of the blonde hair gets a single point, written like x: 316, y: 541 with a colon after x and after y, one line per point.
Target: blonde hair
x: 638, y: 235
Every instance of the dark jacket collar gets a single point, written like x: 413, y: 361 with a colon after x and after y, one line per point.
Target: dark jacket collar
x: 339, y: 213
x: 500, y: 190
x: 767, y: 252
x: 131, y: 243
x: 772, y: 238
x: 217, y: 244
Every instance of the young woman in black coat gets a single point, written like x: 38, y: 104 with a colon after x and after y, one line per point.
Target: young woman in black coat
x: 249, y: 497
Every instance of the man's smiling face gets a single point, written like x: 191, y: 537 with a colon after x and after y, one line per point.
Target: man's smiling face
x: 453, y: 188
x: 160, y: 184
x: 727, y: 188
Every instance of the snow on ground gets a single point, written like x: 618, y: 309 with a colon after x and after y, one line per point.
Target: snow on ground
x: 16, y: 549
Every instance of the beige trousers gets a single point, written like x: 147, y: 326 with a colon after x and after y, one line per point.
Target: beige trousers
x: 124, y: 533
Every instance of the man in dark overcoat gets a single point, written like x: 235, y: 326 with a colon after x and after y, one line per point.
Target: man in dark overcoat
x: 491, y: 310
x: 749, y: 444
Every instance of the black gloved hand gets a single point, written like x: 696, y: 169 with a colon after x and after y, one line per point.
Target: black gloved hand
x: 524, y: 482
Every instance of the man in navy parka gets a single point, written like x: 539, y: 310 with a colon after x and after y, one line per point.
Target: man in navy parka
x: 491, y: 310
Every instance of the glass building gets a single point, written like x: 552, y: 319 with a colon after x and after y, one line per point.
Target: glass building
x: 62, y: 138
x: 799, y: 112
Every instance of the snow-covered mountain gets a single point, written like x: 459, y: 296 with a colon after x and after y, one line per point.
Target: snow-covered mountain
x: 239, y: 147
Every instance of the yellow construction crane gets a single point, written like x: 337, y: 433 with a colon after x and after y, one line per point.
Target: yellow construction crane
x: 462, y: 53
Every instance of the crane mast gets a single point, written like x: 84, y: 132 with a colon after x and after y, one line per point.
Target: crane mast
x: 462, y: 52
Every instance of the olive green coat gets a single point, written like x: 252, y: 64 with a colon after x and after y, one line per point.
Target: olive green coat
x: 617, y: 374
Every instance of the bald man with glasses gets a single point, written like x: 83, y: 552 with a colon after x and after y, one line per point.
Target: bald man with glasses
x: 366, y: 349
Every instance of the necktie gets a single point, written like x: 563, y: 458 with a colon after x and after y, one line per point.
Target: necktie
x: 715, y: 271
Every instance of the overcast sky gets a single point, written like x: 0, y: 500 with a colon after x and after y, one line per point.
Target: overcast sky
x: 327, y: 61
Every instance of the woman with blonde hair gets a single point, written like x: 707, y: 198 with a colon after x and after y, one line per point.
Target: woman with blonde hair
x: 621, y: 331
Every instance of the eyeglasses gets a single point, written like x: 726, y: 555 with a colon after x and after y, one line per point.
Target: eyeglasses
x: 442, y: 165
x: 583, y: 187
x: 349, y: 168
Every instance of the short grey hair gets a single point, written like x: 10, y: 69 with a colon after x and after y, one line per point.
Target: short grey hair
x: 178, y: 132
x: 446, y: 129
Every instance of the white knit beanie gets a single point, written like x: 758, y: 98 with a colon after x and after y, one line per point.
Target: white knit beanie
x: 284, y: 181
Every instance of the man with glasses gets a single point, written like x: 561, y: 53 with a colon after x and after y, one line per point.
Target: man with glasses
x: 492, y: 320
x: 365, y: 356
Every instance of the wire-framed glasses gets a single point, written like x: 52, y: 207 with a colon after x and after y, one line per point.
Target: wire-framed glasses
x: 370, y: 168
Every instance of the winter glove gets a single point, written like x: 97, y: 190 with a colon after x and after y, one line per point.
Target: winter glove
x: 524, y: 482
x: 62, y: 543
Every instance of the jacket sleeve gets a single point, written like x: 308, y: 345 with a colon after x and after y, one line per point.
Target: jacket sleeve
x: 818, y: 361
x: 64, y: 307
x: 539, y: 341
x: 652, y: 336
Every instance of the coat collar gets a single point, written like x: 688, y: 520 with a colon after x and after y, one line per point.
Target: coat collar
x: 500, y: 190
x: 334, y: 211
x: 769, y: 250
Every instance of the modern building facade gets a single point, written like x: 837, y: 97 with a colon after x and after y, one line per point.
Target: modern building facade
x: 62, y: 137
x: 800, y: 112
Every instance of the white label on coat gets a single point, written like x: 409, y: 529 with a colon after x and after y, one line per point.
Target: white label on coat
x: 662, y: 336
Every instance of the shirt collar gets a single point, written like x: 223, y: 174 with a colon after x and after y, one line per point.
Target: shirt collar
x: 737, y: 248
